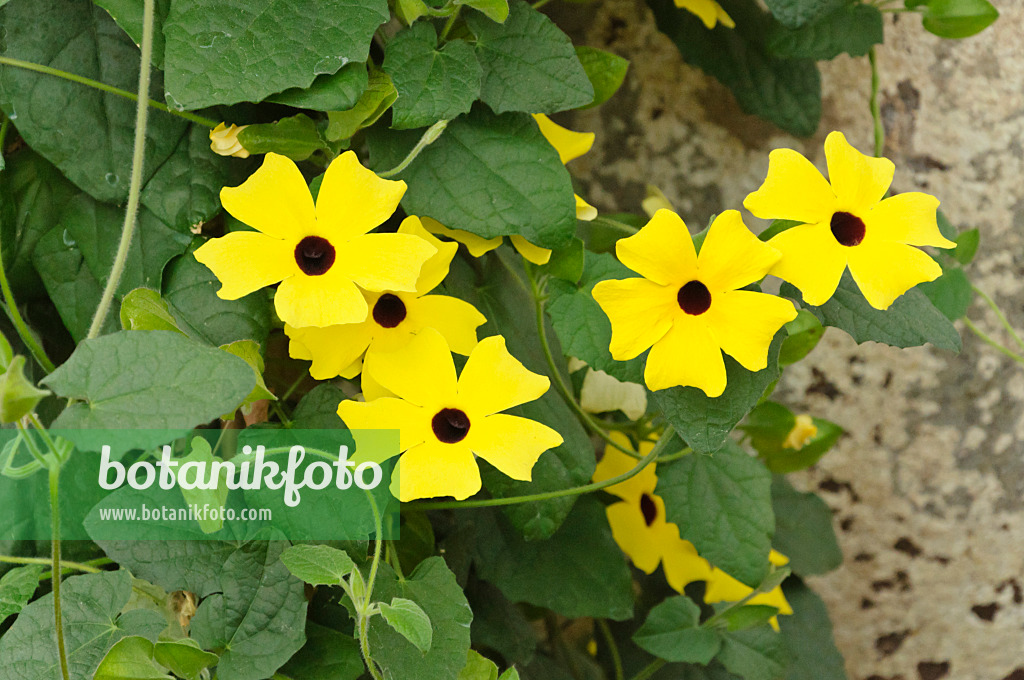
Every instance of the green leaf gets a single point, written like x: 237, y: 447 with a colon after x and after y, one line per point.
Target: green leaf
x: 499, y: 624
x: 583, y: 329
x: 327, y: 655
x: 722, y: 504
x: 672, y: 632
x: 17, y: 587
x: 258, y: 616
x: 318, y: 410
x: 148, y: 379
x: 786, y: 92
x: 91, y: 607
x: 510, y: 674
x: 951, y: 293
x: 249, y: 352
x: 755, y: 654
x: 202, y: 455
x: 803, y: 334
x: 71, y: 286
x: 579, y: 571
x: 808, y: 636
x: 131, y: 659
x: 495, y: 10
x: 967, y: 246
x: 803, y: 530
x: 329, y: 92
x: 432, y: 84
x: 852, y: 29
x: 378, y: 97
x: 911, y: 321
x: 18, y: 395
x: 748, y: 616
x: 958, y: 18
x: 796, y: 13
x: 478, y: 668
x: 128, y: 15
x: 224, y: 53
x: 434, y: 588
x: 193, y: 565
x: 144, y: 310
x: 777, y: 227
x: 190, y: 291
x: 528, y: 63
x: 184, y: 657
x: 318, y: 565
x: 296, y: 137
x: 488, y: 174
x: 605, y: 70
x: 567, y: 263
x: 769, y: 426
x: 705, y: 422
x: 411, y: 622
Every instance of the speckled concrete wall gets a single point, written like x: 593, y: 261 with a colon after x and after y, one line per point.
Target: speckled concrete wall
x: 928, y: 486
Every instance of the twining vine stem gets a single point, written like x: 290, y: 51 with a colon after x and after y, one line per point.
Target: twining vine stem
x: 876, y: 111
x: 428, y: 138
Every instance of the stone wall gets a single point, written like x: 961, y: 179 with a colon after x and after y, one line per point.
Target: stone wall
x: 927, y: 485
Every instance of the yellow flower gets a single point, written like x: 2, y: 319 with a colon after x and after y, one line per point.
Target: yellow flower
x: 724, y: 588
x: 709, y: 11
x: 319, y: 253
x: 803, y: 431
x: 395, y: 317
x: 847, y: 222
x: 688, y: 308
x: 601, y: 393
x: 638, y: 522
x: 444, y: 422
x: 224, y: 141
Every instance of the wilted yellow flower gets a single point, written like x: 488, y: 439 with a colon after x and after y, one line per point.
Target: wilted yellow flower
x: 803, y: 431
x: 224, y: 141
x: 709, y: 11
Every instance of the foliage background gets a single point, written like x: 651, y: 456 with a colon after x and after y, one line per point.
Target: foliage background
x: 928, y: 485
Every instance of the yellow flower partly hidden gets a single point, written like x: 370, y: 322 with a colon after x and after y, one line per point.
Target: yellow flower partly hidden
x: 804, y: 430
x: 688, y: 309
x: 445, y: 422
x: 569, y: 145
x: 321, y: 254
x: 724, y: 588
x: 709, y: 11
x: 224, y: 141
x: 847, y: 222
x: 395, y: 317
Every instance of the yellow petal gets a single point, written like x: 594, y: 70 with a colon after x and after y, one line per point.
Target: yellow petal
x: 353, y: 200
x: 387, y: 413
x: 614, y: 463
x: 224, y: 141
x: 683, y: 565
x: 858, y: 181
x: 884, y: 271
x: 907, y: 218
x: 804, y: 430
x: 493, y: 380
x: 325, y: 300
x: 744, y: 323
x: 532, y: 253
x: 245, y: 261
x: 584, y: 211
x: 793, y: 190
x: 568, y: 143
x: 354, y: 369
x: 732, y: 257
x: 721, y: 587
x: 476, y: 245
x: 723, y: 17
x: 436, y: 268
x: 777, y: 559
x: 640, y: 312
x: 435, y: 469
x: 455, y: 319
x: 422, y: 372
x: 372, y: 389
x: 601, y: 393
x: 332, y: 349
x: 662, y: 251
x: 687, y: 355
x: 812, y: 260
x: 510, y: 443
x: 381, y: 262
x: 275, y: 200
x: 706, y: 10
x: 632, y: 534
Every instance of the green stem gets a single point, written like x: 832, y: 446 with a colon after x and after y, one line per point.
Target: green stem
x: 364, y: 647
x: 999, y: 315
x: 294, y: 386
x: 451, y: 22
x: 615, y: 224
x: 135, y: 187
x: 988, y: 339
x: 876, y: 111
x: 76, y: 566
x: 362, y: 607
x: 58, y: 622
x: 650, y: 669
x: 548, y: 495
x: 82, y: 80
x: 428, y: 138
x: 378, y: 542
x: 391, y: 557
x: 613, y: 648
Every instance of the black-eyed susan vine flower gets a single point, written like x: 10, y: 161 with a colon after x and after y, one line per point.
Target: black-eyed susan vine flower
x: 709, y: 11
x: 721, y: 587
x: 224, y: 141
x: 395, y: 317
x: 321, y: 254
x: 570, y: 145
x: 688, y: 309
x: 846, y: 221
x: 446, y: 421
x: 804, y: 430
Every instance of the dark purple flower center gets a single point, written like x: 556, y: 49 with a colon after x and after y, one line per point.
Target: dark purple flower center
x: 848, y: 229
x: 450, y: 425
x: 389, y: 310
x: 649, y: 509
x: 314, y: 255
x: 694, y: 298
